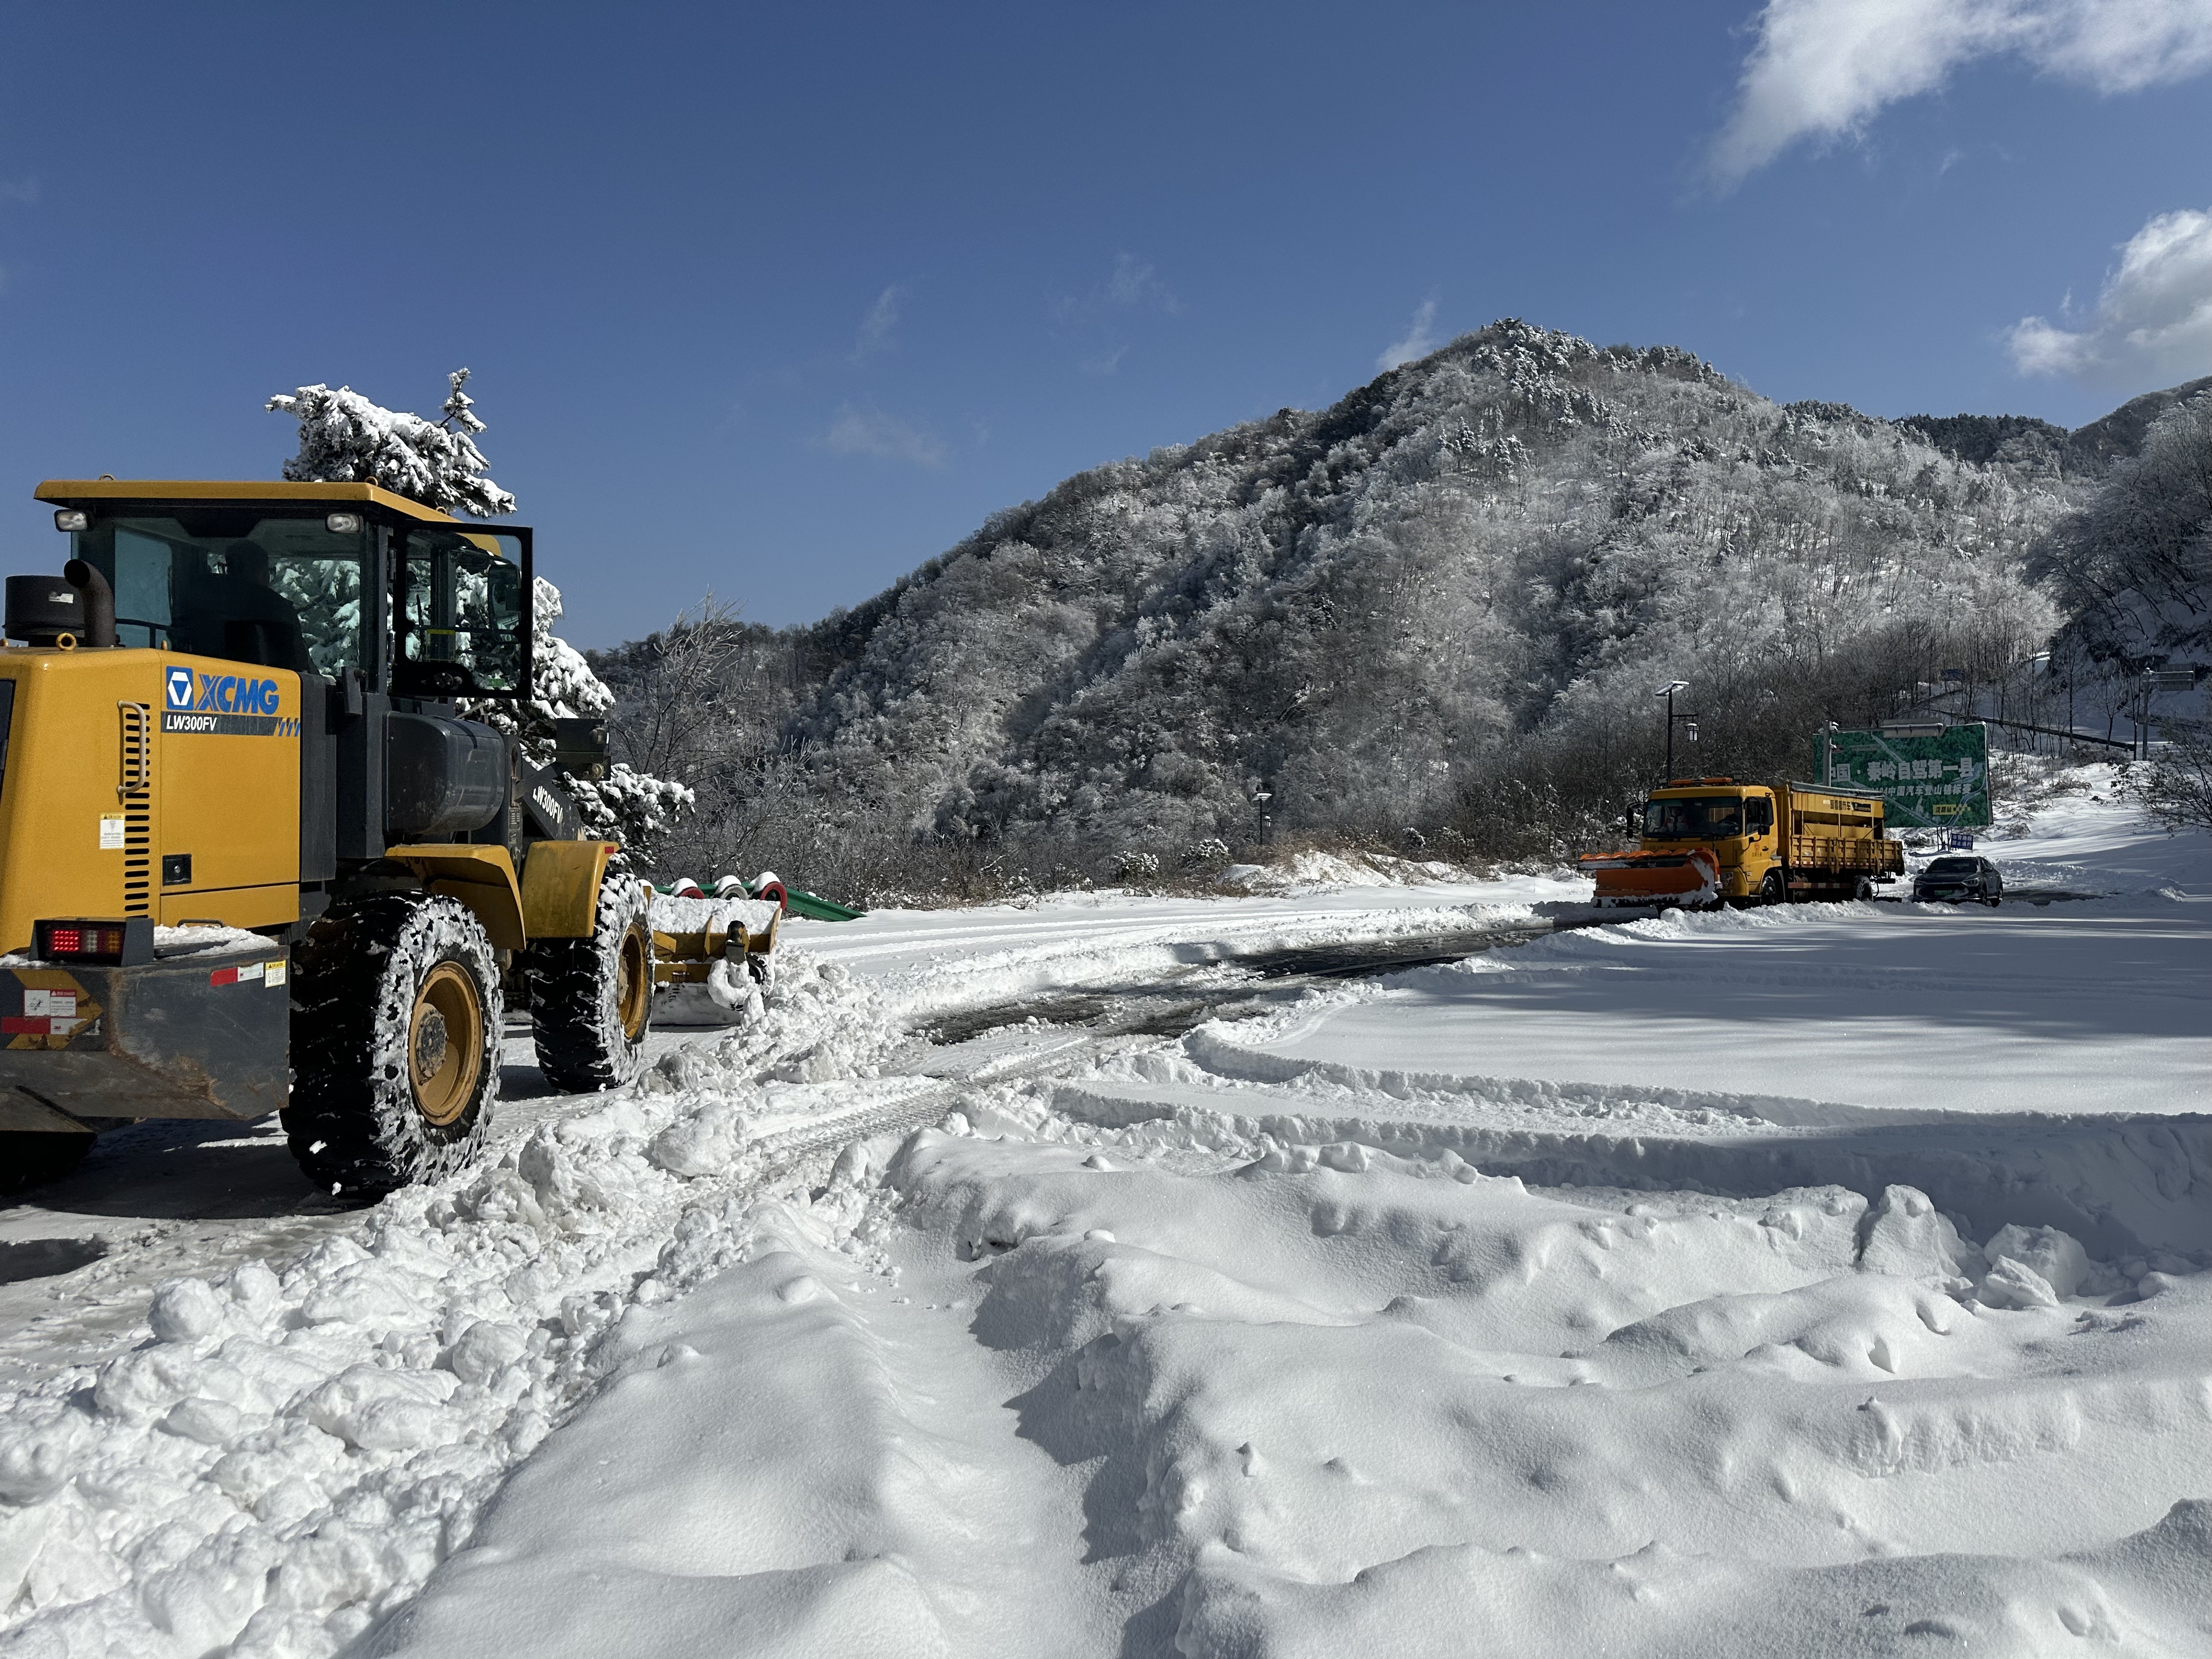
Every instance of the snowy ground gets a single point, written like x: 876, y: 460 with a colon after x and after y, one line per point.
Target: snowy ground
x: 1825, y: 1280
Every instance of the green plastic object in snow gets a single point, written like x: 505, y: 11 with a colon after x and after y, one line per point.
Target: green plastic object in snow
x: 817, y: 909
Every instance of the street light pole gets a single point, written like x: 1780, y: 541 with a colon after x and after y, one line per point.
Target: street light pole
x: 1668, y: 691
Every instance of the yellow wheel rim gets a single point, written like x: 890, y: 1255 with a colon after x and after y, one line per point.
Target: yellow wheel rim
x: 445, y: 1044
x: 633, y: 984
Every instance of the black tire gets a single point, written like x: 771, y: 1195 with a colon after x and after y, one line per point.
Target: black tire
x: 396, y: 1020
x: 590, y: 999
x: 1864, y: 890
x: 31, y: 1157
x: 1773, y: 889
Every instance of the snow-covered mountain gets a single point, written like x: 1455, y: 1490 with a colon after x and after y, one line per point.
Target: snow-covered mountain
x: 1444, y: 604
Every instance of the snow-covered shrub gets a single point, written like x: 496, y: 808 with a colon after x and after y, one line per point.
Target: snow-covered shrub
x: 1137, y: 867
x: 1211, y: 850
x: 2175, y: 785
x: 346, y: 439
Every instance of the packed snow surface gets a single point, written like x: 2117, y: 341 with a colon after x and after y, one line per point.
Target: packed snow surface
x: 1775, y: 1282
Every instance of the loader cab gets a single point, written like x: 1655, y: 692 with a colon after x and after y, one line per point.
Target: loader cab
x: 344, y: 581
x: 408, y: 631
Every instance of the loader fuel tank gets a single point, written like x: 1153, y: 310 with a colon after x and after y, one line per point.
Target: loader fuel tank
x: 441, y: 776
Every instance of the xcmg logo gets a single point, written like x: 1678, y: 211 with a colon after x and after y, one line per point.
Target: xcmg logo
x: 223, y: 694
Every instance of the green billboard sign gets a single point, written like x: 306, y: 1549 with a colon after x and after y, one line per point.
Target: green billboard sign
x: 1936, y: 780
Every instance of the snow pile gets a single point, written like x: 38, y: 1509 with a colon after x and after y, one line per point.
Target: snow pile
x: 1268, y: 1397
x: 1314, y: 870
x: 293, y: 1446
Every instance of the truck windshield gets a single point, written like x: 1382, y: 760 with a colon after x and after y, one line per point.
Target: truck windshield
x: 233, y: 582
x: 1698, y: 817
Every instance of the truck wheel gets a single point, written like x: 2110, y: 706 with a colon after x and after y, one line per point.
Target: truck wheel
x: 396, y: 1018
x: 31, y: 1157
x: 1771, y: 888
x: 590, y: 998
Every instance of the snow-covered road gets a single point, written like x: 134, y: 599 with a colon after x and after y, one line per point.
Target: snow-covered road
x: 1823, y: 1280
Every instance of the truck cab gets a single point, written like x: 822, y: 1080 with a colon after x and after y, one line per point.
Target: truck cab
x: 1733, y: 822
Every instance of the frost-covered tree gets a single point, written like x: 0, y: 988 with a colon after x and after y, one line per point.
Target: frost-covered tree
x: 2135, y: 565
x: 346, y: 439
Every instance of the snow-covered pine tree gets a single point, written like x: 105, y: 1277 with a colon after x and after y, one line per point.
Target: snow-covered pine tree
x: 346, y: 439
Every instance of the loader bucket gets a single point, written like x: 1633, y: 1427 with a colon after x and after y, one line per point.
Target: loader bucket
x: 1641, y: 878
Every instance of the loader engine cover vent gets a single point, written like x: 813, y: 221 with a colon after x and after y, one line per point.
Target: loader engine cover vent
x: 114, y: 943
x: 442, y: 776
x: 42, y: 609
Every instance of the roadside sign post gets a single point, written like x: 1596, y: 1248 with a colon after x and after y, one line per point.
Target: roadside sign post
x: 1929, y: 776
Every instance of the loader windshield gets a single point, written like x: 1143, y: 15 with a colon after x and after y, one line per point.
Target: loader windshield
x: 1698, y: 817
x: 280, y: 591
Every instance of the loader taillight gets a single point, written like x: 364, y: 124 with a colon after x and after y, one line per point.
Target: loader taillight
x: 123, y: 944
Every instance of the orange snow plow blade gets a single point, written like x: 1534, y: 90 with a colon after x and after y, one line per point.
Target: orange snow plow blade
x: 1688, y: 877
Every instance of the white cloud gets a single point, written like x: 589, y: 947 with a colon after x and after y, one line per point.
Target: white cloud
x: 869, y: 431
x: 876, y: 327
x: 2154, y: 319
x: 1420, y: 338
x: 1133, y: 284
x: 1823, y: 68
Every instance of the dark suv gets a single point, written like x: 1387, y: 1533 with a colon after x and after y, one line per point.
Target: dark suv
x: 1958, y: 877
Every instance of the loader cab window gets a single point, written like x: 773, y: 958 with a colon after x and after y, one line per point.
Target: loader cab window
x: 460, y: 614
x: 232, y: 582
x: 1699, y: 817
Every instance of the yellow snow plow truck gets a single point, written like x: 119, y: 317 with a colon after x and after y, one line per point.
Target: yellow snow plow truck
x: 268, y: 842
x: 1709, y: 841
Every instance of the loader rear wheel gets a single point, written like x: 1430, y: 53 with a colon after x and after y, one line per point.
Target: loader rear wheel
x: 590, y: 999
x: 396, y: 1018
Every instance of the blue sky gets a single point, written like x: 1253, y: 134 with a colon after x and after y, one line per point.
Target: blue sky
x: 780, y: 301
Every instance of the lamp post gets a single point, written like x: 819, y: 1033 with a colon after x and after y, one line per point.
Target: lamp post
x: 1260, y: 799
x: 1668, y: 691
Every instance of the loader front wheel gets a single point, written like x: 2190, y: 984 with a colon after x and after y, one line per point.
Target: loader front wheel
x: 590, y: 998
x: 1772, y: 889
x: 396, y: 1017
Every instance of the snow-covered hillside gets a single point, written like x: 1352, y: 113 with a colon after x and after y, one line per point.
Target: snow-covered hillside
x: 1827, y: 1279
x: 1442, y: 603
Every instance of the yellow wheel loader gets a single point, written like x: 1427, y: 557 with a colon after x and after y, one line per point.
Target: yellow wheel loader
x: 260, y: 850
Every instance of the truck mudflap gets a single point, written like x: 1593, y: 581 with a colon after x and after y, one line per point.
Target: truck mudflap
x: 1691, y: 877
x: 204, y: 1035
